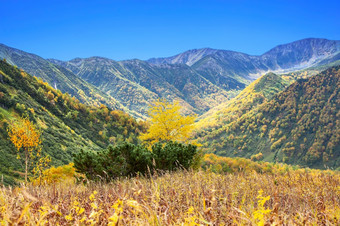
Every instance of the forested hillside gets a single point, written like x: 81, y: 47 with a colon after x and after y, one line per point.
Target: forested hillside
x: 137, y: 83
x: 251, y: 97
x: 298, y: 126
x: 66, y: 124
x: 60, y: 78
x: 199, y: 79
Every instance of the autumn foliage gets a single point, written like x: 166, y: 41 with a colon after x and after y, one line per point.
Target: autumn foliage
x: 167, y: 123
x: 54, y: 175
x: 26, y: 139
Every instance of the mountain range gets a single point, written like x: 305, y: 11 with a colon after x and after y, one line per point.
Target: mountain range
x: 199, y: 79
x: 282, y: 106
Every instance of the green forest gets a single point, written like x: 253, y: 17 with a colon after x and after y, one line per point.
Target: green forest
x: 299, y: 125
x: 67, y: 125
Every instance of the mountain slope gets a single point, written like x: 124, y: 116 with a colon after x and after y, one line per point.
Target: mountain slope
x: 229, y: 69
x: 256, y: 93
x: 188, y: 57
x: 58, y: 77
x: 299, y: 125
x: 250, y: 98
x: 218, y: 65
x: 67, y: 125
x: 199, y: 79
x: 300, y: 54
x: 136, y: 83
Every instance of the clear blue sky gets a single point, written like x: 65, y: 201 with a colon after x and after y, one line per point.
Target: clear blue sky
x: 125, y: 29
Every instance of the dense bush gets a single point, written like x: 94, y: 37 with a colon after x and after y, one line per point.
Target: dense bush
x: 173, y: 155
x: 127, y: 159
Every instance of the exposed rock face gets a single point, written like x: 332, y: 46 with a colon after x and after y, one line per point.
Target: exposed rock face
x: 189, y: 57
x: 292, y: 56
x: 300, y: 54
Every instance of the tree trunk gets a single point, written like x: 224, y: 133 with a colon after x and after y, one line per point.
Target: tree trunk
x: 26, y: 163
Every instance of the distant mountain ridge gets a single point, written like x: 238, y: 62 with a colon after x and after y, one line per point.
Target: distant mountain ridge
x: 280, y: 57
x: 200, y: 79
x: 301, y: 54
x: 188, y: 57
x: 222, y: 72
x: 58, y: 77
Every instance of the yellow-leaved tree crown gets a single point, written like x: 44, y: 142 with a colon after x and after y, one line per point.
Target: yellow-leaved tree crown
x: 167, y: 123
x: 26, y: 139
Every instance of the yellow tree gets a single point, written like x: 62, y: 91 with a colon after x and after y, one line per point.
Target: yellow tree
x: 26, y: 139
x: 167, y: 123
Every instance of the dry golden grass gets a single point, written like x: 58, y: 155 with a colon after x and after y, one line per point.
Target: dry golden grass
x: 182, y: 198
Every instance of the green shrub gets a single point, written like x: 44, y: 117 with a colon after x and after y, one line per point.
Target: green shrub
x: 173, y: 155
x: 125, y: 159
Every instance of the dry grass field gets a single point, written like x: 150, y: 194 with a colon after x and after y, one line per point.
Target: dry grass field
x: 183, y: 198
